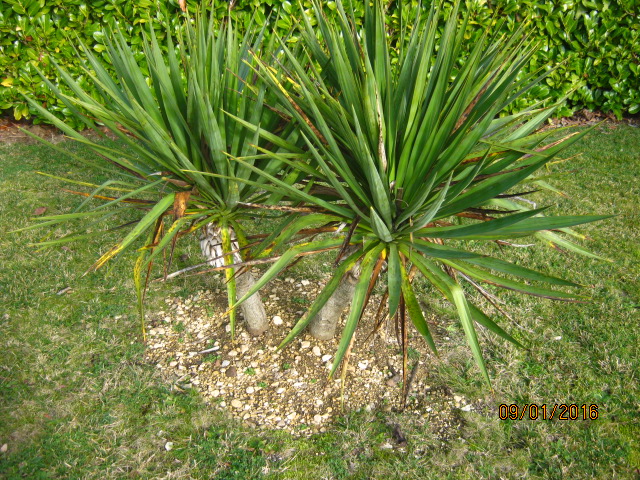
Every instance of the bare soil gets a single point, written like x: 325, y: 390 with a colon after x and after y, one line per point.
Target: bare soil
x: 13, y: 132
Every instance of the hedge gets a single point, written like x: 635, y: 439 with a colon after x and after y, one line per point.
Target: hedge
x: 595, y: 44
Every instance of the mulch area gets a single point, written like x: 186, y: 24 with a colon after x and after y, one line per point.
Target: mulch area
x: 11, y: 131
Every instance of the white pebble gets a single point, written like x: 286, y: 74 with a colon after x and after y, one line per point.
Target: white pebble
x: 250, y: 390
x: 316, y: 351
x: 233, y: 353
x: 317, y: 419
x: 168, y: 446
x: 305, y: 282
x: 326, y: 358
x: 305, y: 344
x: 280, y: 390
x: 236, y: 403
x: 277, y: 320
x: 363, y: 365
x: 225, y: 363
x: 466, y: 408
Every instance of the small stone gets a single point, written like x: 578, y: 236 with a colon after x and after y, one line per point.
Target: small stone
x: 4, y: 446
x: 231, y: 372
x: 215, y: 393
x: 233, y: 353
x: 305, y: 282
x: 395, y: 380
x: 225, y: 363
x: 236, y: 403
x: 280, y: 390
x: 305, y: 344
x: 317, y: 419
x: 457, y: 398
x: 326, y: 358
x: 316, y: 351
x: 168, y: 446
x: 363, y: 365
x: 244, y: 348
x: 173, y: 364
x: 277, y: 320
x: 250, y: 390
x: 466, y: 408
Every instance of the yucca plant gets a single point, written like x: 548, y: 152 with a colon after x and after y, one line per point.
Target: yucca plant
x: 172, y: 119
x: 412, y: 157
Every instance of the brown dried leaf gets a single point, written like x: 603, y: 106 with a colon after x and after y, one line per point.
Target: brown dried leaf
x: 180, y: 204
x: 39, y: 210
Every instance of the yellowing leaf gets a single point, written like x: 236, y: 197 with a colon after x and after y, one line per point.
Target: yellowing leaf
x: 7, y: 82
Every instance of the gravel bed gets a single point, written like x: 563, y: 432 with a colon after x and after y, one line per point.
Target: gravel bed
x: 190, y: 343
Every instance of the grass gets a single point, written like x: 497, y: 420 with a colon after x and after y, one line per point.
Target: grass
x: 78, y: 401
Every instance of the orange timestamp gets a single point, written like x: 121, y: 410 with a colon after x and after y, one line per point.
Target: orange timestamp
x: 560, y: 411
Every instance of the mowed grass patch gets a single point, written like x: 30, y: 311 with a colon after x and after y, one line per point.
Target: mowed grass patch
x: 78, y: 401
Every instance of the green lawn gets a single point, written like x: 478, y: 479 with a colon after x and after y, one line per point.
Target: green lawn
x: 78, y: 401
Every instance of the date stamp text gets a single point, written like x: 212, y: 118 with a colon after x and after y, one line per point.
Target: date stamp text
x: 556, y: 411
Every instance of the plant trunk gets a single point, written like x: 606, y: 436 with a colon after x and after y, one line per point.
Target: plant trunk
x: 324, y: 324
x: 252, y: 308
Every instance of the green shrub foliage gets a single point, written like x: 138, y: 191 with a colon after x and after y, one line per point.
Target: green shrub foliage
x: 595, y: 44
